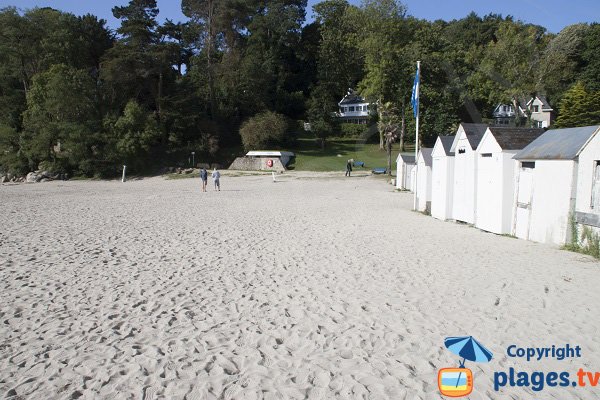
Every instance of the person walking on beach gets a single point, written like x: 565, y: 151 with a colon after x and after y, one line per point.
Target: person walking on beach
x: 216, y: 175
x: 204, y: 177
x: 348, y: 167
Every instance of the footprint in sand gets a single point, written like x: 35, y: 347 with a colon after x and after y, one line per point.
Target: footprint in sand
x: 149, y: 393
x: 233, y: 390
x: 267, y: 360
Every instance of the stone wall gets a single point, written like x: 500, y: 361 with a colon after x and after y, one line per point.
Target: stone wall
x: 257, y: 164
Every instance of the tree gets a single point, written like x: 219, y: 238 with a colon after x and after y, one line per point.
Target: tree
x: 560, y: 60
x: 137, y: 65
x: 388, y: 126
x: 590, y: 57
x: 381, y: 38
x: 264, y: 129
x: 135, y: 132
x: 338, y: 66
x: 509, y: 62
x: 579, y: 107
x: 61, y: 117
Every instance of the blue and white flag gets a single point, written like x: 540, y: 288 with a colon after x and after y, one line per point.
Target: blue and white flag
x: 414, y: 99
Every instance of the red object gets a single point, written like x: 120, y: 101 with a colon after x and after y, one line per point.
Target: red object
x: 269, y: 163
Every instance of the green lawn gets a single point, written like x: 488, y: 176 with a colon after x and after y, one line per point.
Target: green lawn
x: 310, y: 157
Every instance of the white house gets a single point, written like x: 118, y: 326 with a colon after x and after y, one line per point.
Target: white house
x: 542, y: 114
x: 404, y: 167
x: 496, y: 176
x: 548, y: 183
x: 587, y: 206
x: 465, y: 143
x: 354, y: 109
x: 424, y: 180
x: 442, y: 178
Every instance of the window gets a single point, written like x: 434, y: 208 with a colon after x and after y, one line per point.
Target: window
x: 461, y: 150
x: 528, y: 164
x: 351, y: 108
x: 366, y: 108
x: 536, y: 108
x: 595, y: 203
x: 345, y: 109
x: 486, y: 154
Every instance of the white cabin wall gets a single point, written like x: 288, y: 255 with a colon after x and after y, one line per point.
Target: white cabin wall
x: 550, y: 208
x: 465, y: 183
x: 585, y: 174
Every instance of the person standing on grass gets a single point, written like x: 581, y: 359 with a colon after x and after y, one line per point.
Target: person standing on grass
x: 216, y: 175
x: 348, y: 167
x: 204, y: 177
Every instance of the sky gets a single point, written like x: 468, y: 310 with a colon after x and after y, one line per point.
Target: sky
x: 552, y: 14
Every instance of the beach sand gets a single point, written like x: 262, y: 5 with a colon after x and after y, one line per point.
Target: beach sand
x: 317, y: 286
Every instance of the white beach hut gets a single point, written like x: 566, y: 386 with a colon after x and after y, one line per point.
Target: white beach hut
x: 496, y: 176
x: 547, y: 183
x: 465, y: 143
x: 587, y: 207
x: 424, y: 180
x: 404, y: 166
x: 442, y: 178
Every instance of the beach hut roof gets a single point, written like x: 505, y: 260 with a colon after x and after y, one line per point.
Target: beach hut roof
x: 474, y: 133
x: 558, y: 144
x: 446, y: 142
x: 514, y: 138
x: 426, y: 154
x: 405, y: 158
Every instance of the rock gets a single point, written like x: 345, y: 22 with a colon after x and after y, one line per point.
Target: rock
x: 31, y: 177
x: 188, y: 171
x: 3, y: 179
x: 38, y: 176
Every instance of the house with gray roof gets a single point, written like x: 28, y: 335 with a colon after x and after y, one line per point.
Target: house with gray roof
x: 354, y: 109
x: 540, y: 112
x: 558, y: 178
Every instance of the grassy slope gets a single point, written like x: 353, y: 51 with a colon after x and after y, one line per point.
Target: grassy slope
x: 310, y: 157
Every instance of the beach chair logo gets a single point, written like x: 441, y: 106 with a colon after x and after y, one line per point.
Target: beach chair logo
x: 458, y: 382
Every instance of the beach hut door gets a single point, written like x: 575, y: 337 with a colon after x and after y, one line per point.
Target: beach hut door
x: 524, y: 196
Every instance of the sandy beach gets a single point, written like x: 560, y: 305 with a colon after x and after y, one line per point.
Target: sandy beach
x: 314, y: 287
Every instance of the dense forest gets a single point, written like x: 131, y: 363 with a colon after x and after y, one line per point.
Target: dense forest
x: 79, y: 98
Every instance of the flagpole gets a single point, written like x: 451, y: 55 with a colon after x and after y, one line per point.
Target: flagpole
x: 418, y: 87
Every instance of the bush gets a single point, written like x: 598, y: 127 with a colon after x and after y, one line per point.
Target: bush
x: 353, y: 130
x: 262, y: 130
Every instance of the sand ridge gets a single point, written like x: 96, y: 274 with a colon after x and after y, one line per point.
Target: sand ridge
x: 306, y: 288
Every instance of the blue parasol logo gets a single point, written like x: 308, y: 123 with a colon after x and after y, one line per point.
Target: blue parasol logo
x: 458, y: 382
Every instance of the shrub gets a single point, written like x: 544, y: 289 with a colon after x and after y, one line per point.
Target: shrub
x: 264, y: 129
x: 353, y: 130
